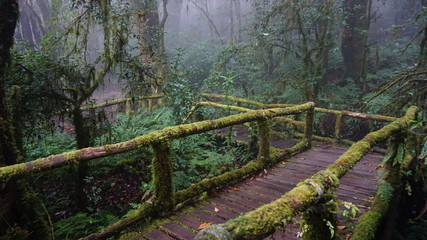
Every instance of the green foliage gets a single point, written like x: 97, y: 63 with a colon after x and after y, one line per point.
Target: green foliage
x: 82, y: 224
x: 44, y: 144
x: 385, y: 191
x: 417, y: 230
x: 198, y: 157
x: 350, y: 209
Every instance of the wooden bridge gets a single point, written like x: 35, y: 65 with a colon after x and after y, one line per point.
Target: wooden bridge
x: 289, y: 182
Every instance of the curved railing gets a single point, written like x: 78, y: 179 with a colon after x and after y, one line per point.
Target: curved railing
x: 275, y: 216
x: 266, y: 219
x: 165, y: 200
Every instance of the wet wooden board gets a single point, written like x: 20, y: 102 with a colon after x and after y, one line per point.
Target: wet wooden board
x: 356, y: 187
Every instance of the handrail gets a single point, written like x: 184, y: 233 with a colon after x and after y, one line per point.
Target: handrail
x: 274, y: 216
x: 118, y: 101
x: 174, y: 132
x: 340, y: 114
x: 317, y: 109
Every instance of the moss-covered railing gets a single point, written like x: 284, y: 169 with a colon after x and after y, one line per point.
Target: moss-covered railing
x: 127, y: 101
x: 340, y: 115
x: 313, y: 192
x: 165, y: 200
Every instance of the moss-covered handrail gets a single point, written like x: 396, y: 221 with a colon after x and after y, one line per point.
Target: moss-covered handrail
x: 276, y: 215
x: 86, y: 154
x: 317, y: 109
x: 242, y: 109
x: 119, y: 101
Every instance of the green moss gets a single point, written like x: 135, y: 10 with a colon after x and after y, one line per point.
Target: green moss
x: 162, y: 175
x: 338, y: 123
x: 264, y: 142
x: 71, y: 157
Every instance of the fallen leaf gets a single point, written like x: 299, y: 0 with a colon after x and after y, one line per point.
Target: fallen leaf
x: 216, y: 209
x: 370, y: 198
x: 341, y: 227
x: 379, y: 166
x: 233, y: 189
x: 203, y: 225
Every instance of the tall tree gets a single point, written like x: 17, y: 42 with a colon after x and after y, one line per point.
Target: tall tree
x: 19, y: 207
x: 354, y: 40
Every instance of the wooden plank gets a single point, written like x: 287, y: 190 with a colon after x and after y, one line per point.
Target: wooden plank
x: 178, y: 231
x: 158, y: 235
x: 262, y: 192
x: 188, y: 221
x: 241, y: 200
x: 286, y: 187
x: 205, y: 217
x: 252, y: 196
x: 270, y: 187
x: 220, y: 211
x: 231, y: 205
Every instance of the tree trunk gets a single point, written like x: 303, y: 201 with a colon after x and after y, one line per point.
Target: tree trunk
x: 83, y: 140
x: 354, y: 40
x: 19, y: 208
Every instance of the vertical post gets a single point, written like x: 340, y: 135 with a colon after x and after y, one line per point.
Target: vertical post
x: 128, y: 107
x: 309, y: 122
x: 150, y: 105
x: 338, y: 124
x: 264, y: 142
x: 319, y: 219
x: 162, y: 174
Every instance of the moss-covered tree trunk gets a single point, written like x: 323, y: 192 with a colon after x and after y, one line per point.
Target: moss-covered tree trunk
x: 83, y: 141
x: 354, y: 40
x: 20, y: 209
x: 151, y: 44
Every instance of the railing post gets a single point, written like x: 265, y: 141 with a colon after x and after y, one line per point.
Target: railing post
x: 263, y: 142
x: 127, y: 107
x: 319, y: 221
x: 308, y: 129
x: 338, y: 123
x: 162, y: 175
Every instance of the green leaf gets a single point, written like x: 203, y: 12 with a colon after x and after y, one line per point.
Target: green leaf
x: 400, y: 154
x: 387, y: 156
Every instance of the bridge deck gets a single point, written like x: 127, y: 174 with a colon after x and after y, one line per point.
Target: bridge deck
x: 358, y: 187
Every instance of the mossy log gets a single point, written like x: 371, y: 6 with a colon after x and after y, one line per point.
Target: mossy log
x: 317, y: 109
x: 119, y: 101
x: 242, y: 109
x: 174, y: 132
x: 148, y: 211
x: 268, y: 218
x: 274, y: 216
x: 369, y: 223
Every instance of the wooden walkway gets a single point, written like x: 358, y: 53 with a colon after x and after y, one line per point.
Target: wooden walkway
x: 358, y: 187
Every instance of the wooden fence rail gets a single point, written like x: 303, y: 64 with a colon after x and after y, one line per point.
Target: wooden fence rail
x: 275, y: 216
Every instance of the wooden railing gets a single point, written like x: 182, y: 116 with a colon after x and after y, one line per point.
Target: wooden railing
x: 340, y: 115
x: 262, y: 221
x: 319, y: 189
x: 165, y: 200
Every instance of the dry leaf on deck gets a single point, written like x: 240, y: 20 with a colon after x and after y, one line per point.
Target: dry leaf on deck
x: 341, y: 227
x: 203, y: 225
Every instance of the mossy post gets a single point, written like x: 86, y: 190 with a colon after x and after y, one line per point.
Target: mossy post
x: 264, y: 142
x: 338, y: 123
x: 319, y: 220
x: 309, y: 123
x: 128, y: 107
x: 162, y: 174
